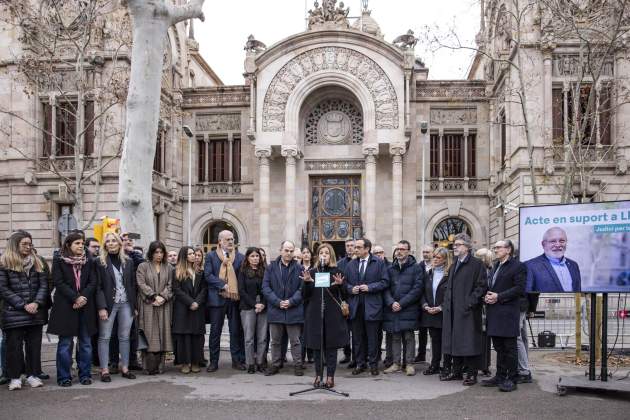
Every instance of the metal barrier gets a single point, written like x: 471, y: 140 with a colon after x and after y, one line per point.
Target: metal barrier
x: 559, y: 318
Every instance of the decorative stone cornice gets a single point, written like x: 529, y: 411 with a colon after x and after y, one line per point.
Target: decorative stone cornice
x: 397, y: 149
x: 263, y: 153
x: 370, y: 150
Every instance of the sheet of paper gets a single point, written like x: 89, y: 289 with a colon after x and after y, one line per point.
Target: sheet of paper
x: 322, y: 279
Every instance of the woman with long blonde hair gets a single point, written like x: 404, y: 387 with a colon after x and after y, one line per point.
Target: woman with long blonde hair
x: 24, y: 291
x: 189, y: 325
x: 115, y: 300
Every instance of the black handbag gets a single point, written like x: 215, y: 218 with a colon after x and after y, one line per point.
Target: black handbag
x: 547, y: 339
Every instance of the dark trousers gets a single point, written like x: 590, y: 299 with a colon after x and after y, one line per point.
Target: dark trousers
x: 237, y: 341
x: 3, y: 354
x: 365, y: 339
x: 347, y: 350
x: 436, y: 346
x: 21, y: 339
x: 468, y: 365
x: 507, y: 356
x: 114, y: 353
x: 331, y: 361
x: 422, y: 344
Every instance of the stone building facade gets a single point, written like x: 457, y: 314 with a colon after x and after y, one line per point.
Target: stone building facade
x: 336, y: 133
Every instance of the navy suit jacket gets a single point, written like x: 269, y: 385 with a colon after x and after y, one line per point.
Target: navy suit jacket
x: 541, y: 277
x: 376, y: 278
x: 211, y: 270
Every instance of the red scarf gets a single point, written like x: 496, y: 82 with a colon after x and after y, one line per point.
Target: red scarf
x: 77, y: 264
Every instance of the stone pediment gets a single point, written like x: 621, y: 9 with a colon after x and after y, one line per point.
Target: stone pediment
x: 332, y: 59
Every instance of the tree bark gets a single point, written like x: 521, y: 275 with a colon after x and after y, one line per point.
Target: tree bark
x: 150, y: 23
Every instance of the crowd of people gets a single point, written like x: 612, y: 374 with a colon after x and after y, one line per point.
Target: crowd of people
x: 119, y: 302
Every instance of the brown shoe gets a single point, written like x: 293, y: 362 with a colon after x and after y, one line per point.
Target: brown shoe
x: 330, y: 382
x: 317, y: 382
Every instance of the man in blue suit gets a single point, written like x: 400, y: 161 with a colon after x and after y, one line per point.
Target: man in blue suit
x: 221, y: 270
x: 552, y: 272
x: 366, y: 279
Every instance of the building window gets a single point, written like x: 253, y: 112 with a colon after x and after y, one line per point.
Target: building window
x: 217, y: 158
x: 201, y: 159
x: 444, y: 233
x: 211, y: 234
x: 503, y: 135
x: 458, y: 159
x: 236, y: 159
x: 60, y: 132
x: 578, y: 112
x: 158, y: 160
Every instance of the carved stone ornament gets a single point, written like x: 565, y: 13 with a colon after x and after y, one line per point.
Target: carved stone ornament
x: 572, y: 65
x: 328, y: 14
x: 406, y: 41
x: 218, y: 122
x: 334, y: 122
x: 317, y: 60
x: 335, y: 165
x: 253, y: 45
x: 458, y: 116
x: 451, y: 91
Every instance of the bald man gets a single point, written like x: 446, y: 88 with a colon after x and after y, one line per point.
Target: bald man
x: 553, y: 272
x: 221, y: 268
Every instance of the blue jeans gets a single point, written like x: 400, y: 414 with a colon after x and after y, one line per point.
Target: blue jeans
x: 84, y: 354
x: 237, y: 345
x: 122, y: 312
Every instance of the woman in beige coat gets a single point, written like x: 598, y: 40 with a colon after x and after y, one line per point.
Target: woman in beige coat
x: 155, y: 295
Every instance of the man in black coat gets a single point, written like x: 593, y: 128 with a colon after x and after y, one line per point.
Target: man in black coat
x: 341, y: 265
x: 366, y: 279
x: 462, y: 307
x: 505, y: 289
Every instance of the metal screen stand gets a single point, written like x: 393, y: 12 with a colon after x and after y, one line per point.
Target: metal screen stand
x: 580, y: 382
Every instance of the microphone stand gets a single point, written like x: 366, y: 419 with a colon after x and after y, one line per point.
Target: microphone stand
x: 322, y: 351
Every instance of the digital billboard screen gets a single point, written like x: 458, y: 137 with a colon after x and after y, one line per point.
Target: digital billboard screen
x: 576, y: 247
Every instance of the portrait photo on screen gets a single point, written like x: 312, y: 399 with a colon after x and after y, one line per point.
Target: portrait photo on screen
x: 576, y: 247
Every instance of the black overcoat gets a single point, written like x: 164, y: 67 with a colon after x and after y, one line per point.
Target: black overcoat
x: 185, y: 320
x: 17, y: 289
x: 503, y: 317
x: 426, y: 319
x: 335, y: 325
x: 461, y: 322
x: 64, y: 320
x: 106, y: 289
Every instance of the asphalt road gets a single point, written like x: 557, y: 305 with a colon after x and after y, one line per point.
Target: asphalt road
x: 228, y: 394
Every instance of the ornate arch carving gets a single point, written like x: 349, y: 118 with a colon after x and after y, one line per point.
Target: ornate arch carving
x: 339, y: 59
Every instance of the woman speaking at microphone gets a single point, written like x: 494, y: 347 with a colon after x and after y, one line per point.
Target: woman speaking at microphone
x: 334, y: 328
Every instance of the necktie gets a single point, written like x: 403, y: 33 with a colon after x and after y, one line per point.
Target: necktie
x: 362, y: 270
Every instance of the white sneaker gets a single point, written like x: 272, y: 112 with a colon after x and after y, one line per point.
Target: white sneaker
x: 34, y: 381
x: 15, y: 384
x: 393, y: 368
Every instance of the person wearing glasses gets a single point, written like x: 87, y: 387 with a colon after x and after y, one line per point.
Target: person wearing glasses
x: 553, y: 272
x: 506, y: 286
x: 24, y: 292
x: 462, y: 334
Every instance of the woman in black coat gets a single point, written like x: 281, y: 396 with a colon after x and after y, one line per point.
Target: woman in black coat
x: 189, y: 326
x: 335, y: 327
x: 431, y: 303
x: 116, y: 301
x: 24, y: 292
x: 74, y: 309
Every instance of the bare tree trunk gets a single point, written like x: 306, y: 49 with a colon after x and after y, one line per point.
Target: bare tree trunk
x: 150, y: 22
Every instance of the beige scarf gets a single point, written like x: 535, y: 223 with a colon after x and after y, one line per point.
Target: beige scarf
x: 227, y: 274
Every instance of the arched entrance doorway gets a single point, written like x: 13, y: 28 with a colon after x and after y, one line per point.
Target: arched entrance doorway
x: 445, y: 231
x: 211, y: 234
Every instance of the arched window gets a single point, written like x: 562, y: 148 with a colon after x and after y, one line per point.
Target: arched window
x: 444, y: 233
x: 211, y: 234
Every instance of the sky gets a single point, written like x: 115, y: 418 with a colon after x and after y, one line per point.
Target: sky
x: 228, y: 23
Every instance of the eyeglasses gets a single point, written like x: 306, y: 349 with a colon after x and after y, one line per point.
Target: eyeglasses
x: 557, y: 242
x: 499, y: 247
x: 459, y: 244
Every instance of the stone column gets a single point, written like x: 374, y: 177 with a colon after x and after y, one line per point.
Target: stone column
x: 291, y: 155
x: 397, y: 151
x: 263, y: 154
x: 370, y: 151
x: 548, y: 98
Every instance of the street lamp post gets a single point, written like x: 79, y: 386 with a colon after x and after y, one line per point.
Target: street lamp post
x: 424, y: 129
x: 189, y: 134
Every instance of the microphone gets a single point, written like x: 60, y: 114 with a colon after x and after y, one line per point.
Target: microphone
x: 321, y: 262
